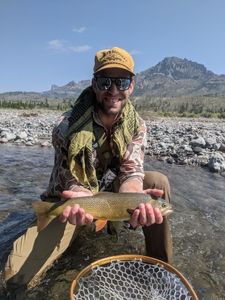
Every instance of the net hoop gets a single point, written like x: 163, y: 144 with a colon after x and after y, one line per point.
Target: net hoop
x: 128, y: 257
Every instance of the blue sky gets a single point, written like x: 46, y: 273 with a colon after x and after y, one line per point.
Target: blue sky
x: 45, y: 42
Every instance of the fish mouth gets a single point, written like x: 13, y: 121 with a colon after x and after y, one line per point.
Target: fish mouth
x: 167, y: 212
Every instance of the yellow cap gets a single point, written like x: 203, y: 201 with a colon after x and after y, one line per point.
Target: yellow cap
x: 113, y: 58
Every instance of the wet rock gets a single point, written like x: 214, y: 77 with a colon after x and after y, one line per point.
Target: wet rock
x: 216, y: 162
x: 46, y: 144
x: 3, y: 140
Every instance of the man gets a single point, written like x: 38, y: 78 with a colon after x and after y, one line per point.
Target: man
x: 99, y: 146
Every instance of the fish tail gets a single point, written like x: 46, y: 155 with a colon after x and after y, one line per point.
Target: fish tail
x: 41, y: 209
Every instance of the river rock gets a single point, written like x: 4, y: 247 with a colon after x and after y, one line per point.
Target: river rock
x: 222, y: 147
x: 187, y: 141
x: 22, y: 135
x: 216, y: 162
x: 198, y: 142
x: 9, y: 136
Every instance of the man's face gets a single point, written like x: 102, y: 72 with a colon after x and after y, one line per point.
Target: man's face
x: 111, y: 101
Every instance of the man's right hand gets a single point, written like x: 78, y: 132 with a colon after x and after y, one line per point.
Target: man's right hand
x: 76, y: 215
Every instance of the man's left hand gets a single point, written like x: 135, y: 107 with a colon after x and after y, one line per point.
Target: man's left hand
x: 145, y: 214
x: 154, y: 192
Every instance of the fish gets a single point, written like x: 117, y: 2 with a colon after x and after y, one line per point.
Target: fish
x: 104, y: 206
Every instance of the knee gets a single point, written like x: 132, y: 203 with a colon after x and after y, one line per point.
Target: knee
x: 158, y: 180
x: 154, y: 179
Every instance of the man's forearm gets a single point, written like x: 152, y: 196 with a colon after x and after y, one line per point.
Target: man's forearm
x: 132, y: 185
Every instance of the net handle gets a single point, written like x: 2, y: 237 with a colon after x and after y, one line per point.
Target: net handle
x: 126, y: 257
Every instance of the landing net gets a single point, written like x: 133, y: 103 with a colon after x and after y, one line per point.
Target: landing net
x: 127, y: 277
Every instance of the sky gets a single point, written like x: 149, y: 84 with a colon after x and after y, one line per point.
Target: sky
x: 45, y: 42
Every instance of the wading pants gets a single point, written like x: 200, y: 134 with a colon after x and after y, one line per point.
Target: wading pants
x: 33, y: 252
x: 158, y: 238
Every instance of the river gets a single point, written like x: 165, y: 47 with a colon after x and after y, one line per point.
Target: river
x: 198, y: 221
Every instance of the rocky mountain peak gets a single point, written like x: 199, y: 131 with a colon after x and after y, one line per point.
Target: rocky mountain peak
x: 71, y: 84
x: 178, y: 68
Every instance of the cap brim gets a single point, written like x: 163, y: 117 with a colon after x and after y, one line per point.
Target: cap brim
x: 117, y: 66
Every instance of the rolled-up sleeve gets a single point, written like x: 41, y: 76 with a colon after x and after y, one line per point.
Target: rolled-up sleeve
x: 132, y: 165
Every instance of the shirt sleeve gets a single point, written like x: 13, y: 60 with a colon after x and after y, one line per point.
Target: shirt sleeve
x: 61, y: 178
x: 132, y: 165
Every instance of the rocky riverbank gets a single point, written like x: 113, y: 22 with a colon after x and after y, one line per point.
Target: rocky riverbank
x: 197, y: 142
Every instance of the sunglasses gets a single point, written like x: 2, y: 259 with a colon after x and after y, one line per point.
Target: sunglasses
x: 105, y: 83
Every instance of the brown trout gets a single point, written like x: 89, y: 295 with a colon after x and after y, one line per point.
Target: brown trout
x: 103, y: 206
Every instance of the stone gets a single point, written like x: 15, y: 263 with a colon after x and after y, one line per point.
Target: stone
x: 22, y: 135
x: 8, y: 135
x: 222, y: 147
x: 216, y: 162
x: 198, y: 142
x: 198, y: 150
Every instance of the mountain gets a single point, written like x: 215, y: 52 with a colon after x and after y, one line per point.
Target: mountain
x: 70, y: 90
x: 174, y: 77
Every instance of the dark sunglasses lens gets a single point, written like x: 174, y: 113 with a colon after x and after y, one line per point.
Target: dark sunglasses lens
x: 123, y: 83
x: 103, y: 83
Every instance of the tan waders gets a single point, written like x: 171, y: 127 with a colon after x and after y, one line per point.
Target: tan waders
x: 158, y: 238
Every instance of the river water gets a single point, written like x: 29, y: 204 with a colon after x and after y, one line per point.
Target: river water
x: 198, y: 221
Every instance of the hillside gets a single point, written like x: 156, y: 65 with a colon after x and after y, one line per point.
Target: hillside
x: 175, y: 77
x: 172, y: 77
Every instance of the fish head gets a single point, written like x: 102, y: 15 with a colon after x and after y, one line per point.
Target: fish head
x: 164, y: 206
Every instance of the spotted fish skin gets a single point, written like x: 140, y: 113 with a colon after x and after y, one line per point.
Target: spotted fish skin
x: 103, y: 206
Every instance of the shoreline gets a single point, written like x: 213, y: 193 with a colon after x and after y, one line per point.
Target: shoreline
x: 183, y: 141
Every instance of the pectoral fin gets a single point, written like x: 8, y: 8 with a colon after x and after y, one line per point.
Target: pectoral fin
x: 100, y: 224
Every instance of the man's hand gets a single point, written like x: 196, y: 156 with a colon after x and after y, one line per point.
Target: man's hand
x: 74, y: 194
x: 154, y: 192
x: 145, y: 214
x: 76, y: 215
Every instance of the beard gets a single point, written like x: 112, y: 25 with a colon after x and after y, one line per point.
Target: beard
x: 111, y: 110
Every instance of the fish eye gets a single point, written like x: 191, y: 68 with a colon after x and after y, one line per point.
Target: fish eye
x: 164, y: 205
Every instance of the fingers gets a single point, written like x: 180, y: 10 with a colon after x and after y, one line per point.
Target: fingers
x: 73, y: 194
x: 150, y: 215
x: 146, y: 215
x: 68, y: 194
x: 154, y: 192
x: 64, y: 216
x: 75, y: 215
x: 158, y: 216
x: 134, y: 218
x: 143, y: 215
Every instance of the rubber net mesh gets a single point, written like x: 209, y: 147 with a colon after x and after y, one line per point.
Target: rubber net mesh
x: 131, y: 280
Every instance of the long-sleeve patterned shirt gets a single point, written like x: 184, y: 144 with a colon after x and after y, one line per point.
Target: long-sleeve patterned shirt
x: 61, y: 178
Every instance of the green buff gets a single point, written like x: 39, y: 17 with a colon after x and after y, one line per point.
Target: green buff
x: 81, y: 137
